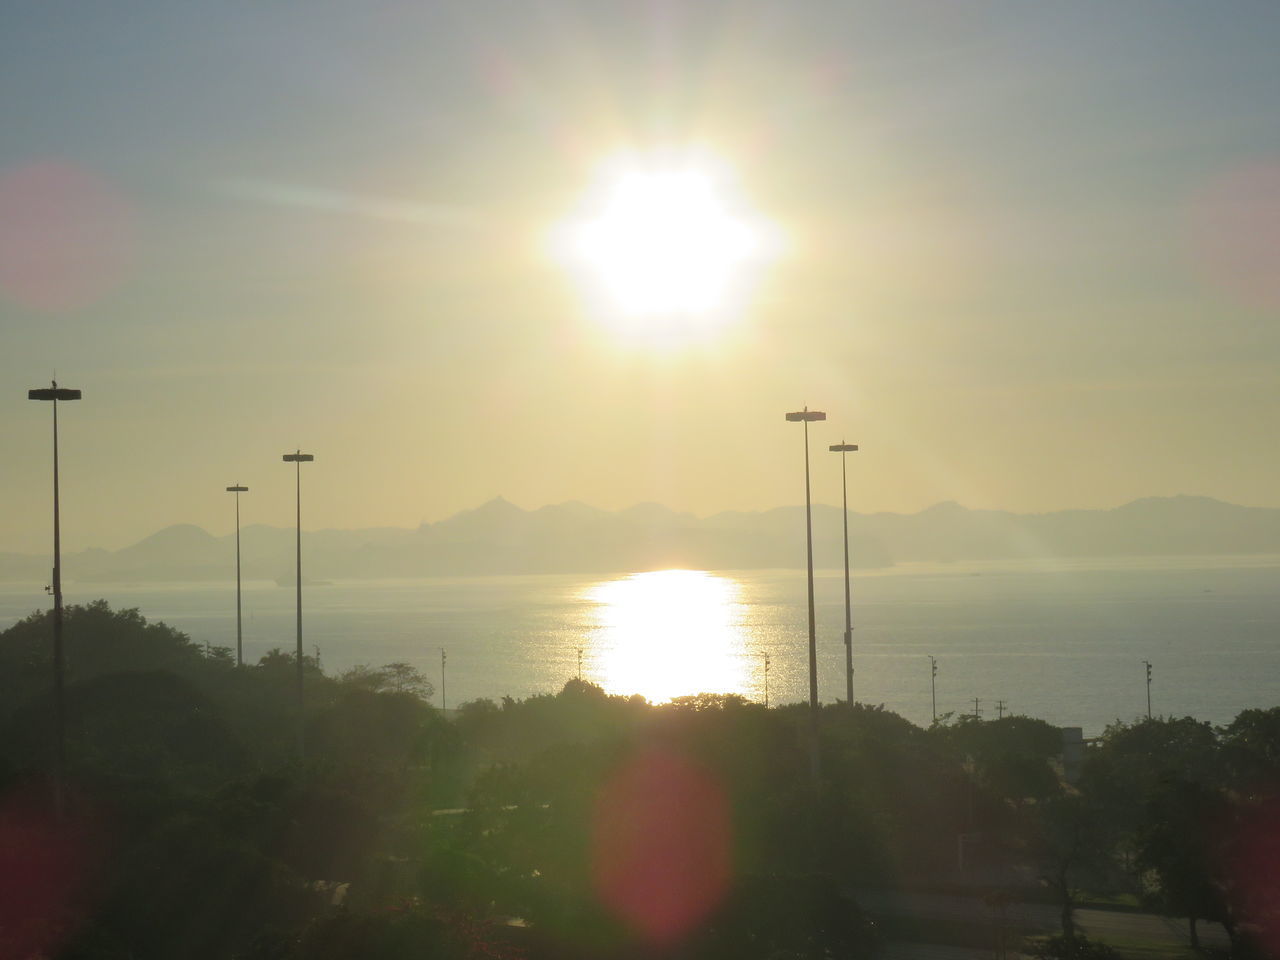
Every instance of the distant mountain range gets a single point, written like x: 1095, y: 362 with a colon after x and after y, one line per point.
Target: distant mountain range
x: 500, y: 538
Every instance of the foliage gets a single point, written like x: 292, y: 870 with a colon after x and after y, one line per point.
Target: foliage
x: 206, y: 835
x: 790, y: 918
x: 396, y: 677
x: 1011, y: 757
x: 1179, y: 843
x: 97, y: 641
x: 1124, y: 770
x: 1072, y: 842
x: 1251, y: 753
x: 400, y: 933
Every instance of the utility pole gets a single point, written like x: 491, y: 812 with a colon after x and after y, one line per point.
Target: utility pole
x: 766, y: 681
x: 1147, y: 664
x: 444, y: 698
x: 999, y: 709
x: 933, y: 685
x: 843, y: 448
x: 976, y: 711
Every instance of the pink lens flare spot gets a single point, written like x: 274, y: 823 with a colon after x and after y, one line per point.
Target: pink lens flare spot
x: 662, y: 845
x: 43, y: 868
x: 64, y: 236
x: 1253, y: 870
x: 1235, y: 233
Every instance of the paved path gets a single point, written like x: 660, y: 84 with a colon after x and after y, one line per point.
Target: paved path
x: 1041, y: 917
x: 901, y: 950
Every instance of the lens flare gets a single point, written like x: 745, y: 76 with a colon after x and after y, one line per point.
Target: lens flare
x: 662, y: 845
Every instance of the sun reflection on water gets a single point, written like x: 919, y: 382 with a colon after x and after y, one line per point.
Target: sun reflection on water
x: 667, y: 634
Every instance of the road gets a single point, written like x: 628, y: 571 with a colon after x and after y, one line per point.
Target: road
x: 1106, y: 925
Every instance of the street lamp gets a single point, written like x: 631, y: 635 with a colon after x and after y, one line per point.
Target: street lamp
x: 237, y: 490
x: 843, y: 449
x: 56, y: 393
x: 298, y: 458
x: 807, y: 416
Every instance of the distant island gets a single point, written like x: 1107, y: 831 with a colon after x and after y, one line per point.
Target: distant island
x: 501, y: 538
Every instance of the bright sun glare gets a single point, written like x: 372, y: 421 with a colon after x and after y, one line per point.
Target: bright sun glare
x: 665, y: 245
x: 669, y: 633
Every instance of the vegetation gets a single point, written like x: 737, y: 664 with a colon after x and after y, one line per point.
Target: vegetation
x: 569, y: 825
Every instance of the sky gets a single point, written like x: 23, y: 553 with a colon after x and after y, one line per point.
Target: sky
x: 1029, y: 256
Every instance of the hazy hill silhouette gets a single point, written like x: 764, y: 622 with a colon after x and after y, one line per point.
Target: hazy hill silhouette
x: 499, y: 537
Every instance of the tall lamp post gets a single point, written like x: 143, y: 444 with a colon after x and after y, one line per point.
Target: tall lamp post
x: 844, y: 449
x: 298, y: 458
x: 56, y: 393
x: 237, y: 490
x: 807, y: 416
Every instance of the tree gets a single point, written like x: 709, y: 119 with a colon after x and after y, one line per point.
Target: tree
x: 1125, y: 769
x: 396, y: 677
x: 1071, y: 841
x: 380, y: 734
x: 1251, y: 753
x: 1179, y: 844
x: 1012, y: 756
x: 97, y: 641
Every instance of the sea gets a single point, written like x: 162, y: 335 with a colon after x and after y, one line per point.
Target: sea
x: 1061, y: 640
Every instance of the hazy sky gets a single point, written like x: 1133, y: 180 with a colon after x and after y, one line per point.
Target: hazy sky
x: 1032, y: 256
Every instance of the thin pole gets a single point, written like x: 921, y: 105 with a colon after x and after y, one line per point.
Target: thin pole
x: 59, y: 678
x: 976, y: 711
x: 579, y: 664
x: 848, y: 610
x: 444, y: 698
x: 815, y: 760
x: 933, y: 685
x: 999, y: 709
x: 1147, y: 663
x: 766, y: 681
x: 298, y: 588
x: 239, y: 619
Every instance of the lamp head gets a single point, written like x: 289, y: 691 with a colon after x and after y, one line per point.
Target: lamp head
x: 53, y: 393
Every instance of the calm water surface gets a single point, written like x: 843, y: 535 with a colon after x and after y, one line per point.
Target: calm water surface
x: 1063, y: 641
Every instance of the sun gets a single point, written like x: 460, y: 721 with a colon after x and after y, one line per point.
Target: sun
x: 666, y: 244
